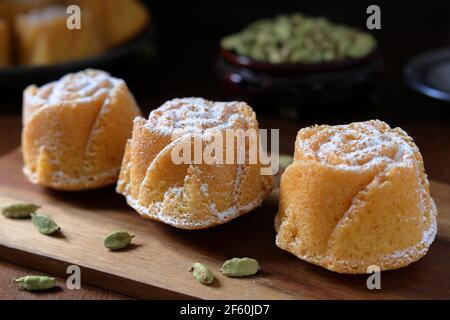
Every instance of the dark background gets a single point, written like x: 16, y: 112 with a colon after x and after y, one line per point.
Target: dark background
x: 186, y: 34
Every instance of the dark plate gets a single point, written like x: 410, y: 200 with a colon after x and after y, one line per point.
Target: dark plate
x: 429, y: 74
x: 19, y: 76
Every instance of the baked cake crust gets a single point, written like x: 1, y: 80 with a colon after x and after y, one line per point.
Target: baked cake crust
x: 75, y: 130
x: 189, y: 195
x: 119, y: 21
x: 355, y: 196
x: 43, y: 37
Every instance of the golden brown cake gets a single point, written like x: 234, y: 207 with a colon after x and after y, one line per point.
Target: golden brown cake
x: 43, y: 37
x: 39, y: 35
x: 124, y: 19
x: 119, y: 20
x: 9, y: 9
x: 356, y: 195
x: 192, y: 194
x: 5, y: 49
x: 75, y: 130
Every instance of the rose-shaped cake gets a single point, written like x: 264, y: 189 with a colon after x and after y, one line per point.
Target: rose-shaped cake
x: 75, y: 130
x: 356, y: 195
x: 196, y: 193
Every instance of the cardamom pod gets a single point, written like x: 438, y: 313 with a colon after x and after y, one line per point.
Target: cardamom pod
x: 36, y: 283
x: 240, y: 267
x: 44, y: 224
x: 118, y: 240
x: 285, y: 160
x: 201, y: 273
x: 19, y: 210
x: 299, y: 39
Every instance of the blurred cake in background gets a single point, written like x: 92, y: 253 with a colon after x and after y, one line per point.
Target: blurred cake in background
x: 4, y: 43
x: 39, y: 35
x: 124, y: 19
x: 43, y: 38
x: 119, y: 20
x: 9, y: 9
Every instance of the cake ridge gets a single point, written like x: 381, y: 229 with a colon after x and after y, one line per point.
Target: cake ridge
x: 374, y: 142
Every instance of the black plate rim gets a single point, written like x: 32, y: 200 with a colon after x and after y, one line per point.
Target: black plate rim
x: 416, y: 68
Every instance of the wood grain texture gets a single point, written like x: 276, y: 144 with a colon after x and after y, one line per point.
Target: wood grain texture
x: 441, y: 194
x: 10, y: 291
x: 10, y: 127
x: 156, y: 265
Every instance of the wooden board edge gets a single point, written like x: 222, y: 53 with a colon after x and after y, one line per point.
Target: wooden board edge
x: 89, y: 276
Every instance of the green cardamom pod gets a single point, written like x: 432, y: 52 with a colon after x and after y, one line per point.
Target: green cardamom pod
x: 44, y: 224
x: 285, y: 160
x: 299, y: 39
x: 19, y: 210
x: 36, y: 283
x: 118, y: 240
x: 202, y: 274
x: 257, y: 54
x: 240, y: 267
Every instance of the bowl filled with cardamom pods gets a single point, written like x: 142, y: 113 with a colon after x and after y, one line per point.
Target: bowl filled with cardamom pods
x: 298, y: 55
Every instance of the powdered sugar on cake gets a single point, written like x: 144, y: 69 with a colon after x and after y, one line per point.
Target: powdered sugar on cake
x: 197, y: 115
x: 59, y: 178
x: 357, y: 146
x: 76, y: 87
x: 48, y: 14
x: 189, y: 201
x: 156, y: 213
x: 373, y: 150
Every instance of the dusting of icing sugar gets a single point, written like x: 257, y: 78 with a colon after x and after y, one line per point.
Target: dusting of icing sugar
x: 197, y: 115
x: 60, y: 180
x: 204, y: 189
x: 360, y: 146
x: 181, y: 119
x: 47, y: 14
x: 75, y: 87
x: 357, y: 146
x: 238, y: 180
x: 156, y: 213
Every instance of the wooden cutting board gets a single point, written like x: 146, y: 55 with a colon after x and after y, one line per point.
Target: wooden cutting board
x: 156, y: 265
